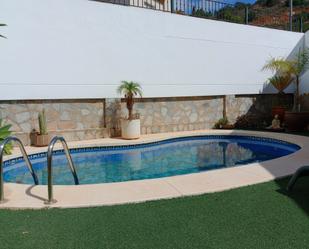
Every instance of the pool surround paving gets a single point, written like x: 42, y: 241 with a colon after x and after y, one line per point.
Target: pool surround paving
x: 23, y: 196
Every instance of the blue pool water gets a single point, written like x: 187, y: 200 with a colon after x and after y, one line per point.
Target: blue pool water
x: 167, y: 158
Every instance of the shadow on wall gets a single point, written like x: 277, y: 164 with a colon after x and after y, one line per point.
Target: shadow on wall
x: 268, y: 88
x: 259, y: 115
x: 304, y: 102
x: 113, y: 116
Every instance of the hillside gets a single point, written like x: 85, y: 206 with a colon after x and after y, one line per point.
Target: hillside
x: 266, y: 13
x: 275, y: 13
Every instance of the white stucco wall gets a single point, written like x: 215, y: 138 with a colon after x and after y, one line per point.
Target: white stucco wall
x: 83, y: 49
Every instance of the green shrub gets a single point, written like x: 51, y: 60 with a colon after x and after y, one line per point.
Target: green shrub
x: 4, y: 133
x: 296, y: 3
x: 201, y: 13
x: 221, y: 122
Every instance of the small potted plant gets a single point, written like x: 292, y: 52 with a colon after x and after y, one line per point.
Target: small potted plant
x: 130, y: 126
x: 41, y: 138
x: 223, y: 123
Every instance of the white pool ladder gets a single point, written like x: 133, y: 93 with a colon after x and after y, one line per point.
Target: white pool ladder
x: 50, y: 150
x: 5, y: 142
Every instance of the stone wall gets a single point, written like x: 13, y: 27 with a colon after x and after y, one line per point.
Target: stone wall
x: 89, y: 119
x: 193, y: 113
x: 75, y: 120
x: 167, y: 114
x: 178, y: 114
x: 258, y: 105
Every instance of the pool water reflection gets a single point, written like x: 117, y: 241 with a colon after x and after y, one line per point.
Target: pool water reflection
x: 167, y: 158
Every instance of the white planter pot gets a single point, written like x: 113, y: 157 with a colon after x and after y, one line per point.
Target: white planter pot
x: 130, y: 129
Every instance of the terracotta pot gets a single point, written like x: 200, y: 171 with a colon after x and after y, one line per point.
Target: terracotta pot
x: 228, y: 126
x: 280, y: 111
x: 296, y: 121
x: 39, y: 140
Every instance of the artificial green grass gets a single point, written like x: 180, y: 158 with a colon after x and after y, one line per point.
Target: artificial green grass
x: 260, y: 216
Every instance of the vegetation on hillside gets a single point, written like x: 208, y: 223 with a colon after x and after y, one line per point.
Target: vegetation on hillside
x: 266, y: 13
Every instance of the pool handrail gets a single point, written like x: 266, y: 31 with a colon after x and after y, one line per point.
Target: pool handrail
x: 50, y: 150
x: 25, y: 156
x: 302, y: 171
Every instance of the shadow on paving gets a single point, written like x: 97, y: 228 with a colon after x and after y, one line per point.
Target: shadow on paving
x: 300, y: 192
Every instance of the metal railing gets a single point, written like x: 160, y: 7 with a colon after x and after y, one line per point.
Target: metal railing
x: 241, y: 13
x: 4, y: 143
x: 51, y: 145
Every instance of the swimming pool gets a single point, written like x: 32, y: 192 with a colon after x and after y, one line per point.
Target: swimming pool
x: 170, y: 157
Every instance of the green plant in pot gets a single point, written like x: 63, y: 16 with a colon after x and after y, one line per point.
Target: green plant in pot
x: 293, y: 68
x: 40, y: 138
x: 4, y: 133
x: 223, y: 123
x: 130, y: 126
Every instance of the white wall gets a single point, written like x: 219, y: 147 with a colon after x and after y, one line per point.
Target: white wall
x: 83, y: 49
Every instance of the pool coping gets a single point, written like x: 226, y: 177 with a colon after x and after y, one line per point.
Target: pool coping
x: 24, y: 196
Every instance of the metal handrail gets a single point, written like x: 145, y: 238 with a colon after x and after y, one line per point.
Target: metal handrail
x: 25, y: 156
x: 49, y: 165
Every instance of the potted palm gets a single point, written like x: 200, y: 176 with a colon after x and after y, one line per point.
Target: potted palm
x: 131, y: 125
x: 294, y: 68
x: 280, y: 82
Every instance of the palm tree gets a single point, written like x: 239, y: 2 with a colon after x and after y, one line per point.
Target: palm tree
x: 130, y: 90
x: 280, y: 82
x: 2, y: 25
x: 293, y: 68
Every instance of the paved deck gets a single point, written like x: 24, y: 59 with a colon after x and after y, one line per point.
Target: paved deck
x: 28, y: 196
